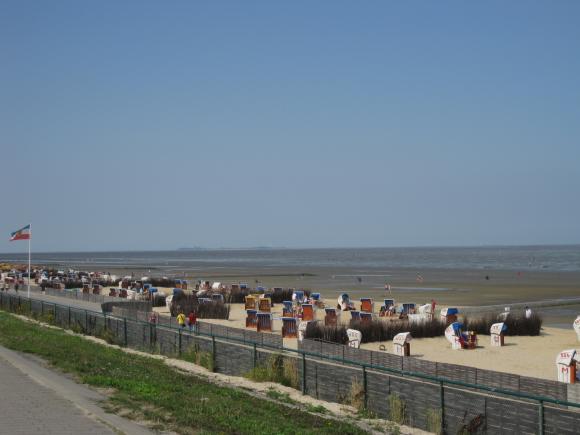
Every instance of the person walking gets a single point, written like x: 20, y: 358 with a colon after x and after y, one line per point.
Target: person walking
x: 181, y: 319
x: 192, y: 319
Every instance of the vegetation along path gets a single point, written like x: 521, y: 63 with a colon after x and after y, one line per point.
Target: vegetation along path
x: 146, y: 389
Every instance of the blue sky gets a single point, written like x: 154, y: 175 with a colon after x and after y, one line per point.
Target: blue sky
x: 154, y: 125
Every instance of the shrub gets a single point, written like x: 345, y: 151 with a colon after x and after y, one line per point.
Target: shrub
x: 376, y: 330
x: 206, y: 310
x: 199, y: 357
x: 276, y: 369
x: 334, y: 334
x: 356, y: 395
x: 397, y: 409
x: 517, y: 324
x: 433, y: 418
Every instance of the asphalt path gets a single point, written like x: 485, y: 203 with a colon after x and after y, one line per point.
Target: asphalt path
x: 35, y: 399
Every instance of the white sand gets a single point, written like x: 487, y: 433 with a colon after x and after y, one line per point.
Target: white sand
x: 528, y: 356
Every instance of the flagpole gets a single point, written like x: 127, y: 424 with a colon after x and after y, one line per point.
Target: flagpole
x: 29, y: 268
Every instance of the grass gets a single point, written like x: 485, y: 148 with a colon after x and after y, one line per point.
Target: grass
x: 397, y: 409
x: 147, y: 388
x: 276, y: 369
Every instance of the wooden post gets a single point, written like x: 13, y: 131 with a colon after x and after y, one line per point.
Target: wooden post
x: 125, y: 328
x: 442, y: 405
x: 541, y: 418
x: 365, y: 386
x: 303, y: 373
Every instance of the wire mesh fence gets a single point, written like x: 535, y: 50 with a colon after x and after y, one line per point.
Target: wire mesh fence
x: 372, y: 383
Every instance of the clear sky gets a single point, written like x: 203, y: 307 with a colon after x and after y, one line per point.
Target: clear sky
x: 156, y: 125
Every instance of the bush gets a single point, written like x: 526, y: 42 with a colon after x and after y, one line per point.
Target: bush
x: 206, y: 310
x: 397, y: 409
x: 333, y: 334
x: 276, y: 369
x: 376, y: 330
x: 198, y: 357
x: 517, y: 324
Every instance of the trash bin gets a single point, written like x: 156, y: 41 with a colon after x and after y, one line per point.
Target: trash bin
x: 497, y: 332
x: 566, y: 366
x: 401, y: 344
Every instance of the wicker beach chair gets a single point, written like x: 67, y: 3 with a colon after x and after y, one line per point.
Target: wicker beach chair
x: 330, y: 318
x: 264, y: 322
x: 289, y: 328
x: 307, y: 312
x: 251, y: 319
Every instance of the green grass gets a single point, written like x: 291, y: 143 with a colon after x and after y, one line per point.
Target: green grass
x: 147, y: 388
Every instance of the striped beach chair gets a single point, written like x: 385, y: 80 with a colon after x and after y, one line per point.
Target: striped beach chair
x: 307, y: 312
x: 250, y: 303
x: 289, y: 328
x: 264, y: 305
x: 366, y: 317
x: 330, y: 318
x: 251, y: 319
x: 366, y: 305
x: 264, y: 322
x: 355, y: 316
x: 287, y: 309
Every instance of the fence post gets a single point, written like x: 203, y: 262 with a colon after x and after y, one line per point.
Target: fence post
x: 69, y: 317
x: 442, y: 404
x: 303, y: 373
x: 105, y: 320
x: 41, y: 308
x: 213, y: 353
x: 86, y: 322
x: 179, y: 351
x: 541, y: 418
x: 255, y: 355
x: 125, y: 330
x: 365, y: 386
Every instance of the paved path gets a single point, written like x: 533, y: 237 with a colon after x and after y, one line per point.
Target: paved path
x: 75, y: 303
x: 34, y: 399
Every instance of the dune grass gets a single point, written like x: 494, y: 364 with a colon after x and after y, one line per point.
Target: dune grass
x: 146, y: 388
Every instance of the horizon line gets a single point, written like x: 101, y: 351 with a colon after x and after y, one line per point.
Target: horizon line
x: 255, y: 248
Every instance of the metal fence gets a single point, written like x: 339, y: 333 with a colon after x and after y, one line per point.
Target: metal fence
x: 436, y: 403
x: 74, y: 294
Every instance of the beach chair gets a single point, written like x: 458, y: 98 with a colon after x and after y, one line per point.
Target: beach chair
x: 497, y: 333
x: 183, y: 284
x: 112, y: 292
x: 86, y: 289
x: 449, y: 315
x: 330, y: 318
x: 388, y: 308
x: 401, y: 345
x: 408, y: 308
x: 307, y: 312
x: 264, y: 322
x: 298, y: 296
x: 97, y: 290
x: 355, y: 316
x: 366, y: 317
x: 289, y: 328
x: 287, y: 309
x: 123, y: 293
x: 251, y: 319
x: 218, y: 298
x: 366, y: 305
x: 250, y: 303
x: 265, y: 305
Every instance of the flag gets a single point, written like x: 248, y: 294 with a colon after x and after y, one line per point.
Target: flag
x: 21, y: 234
